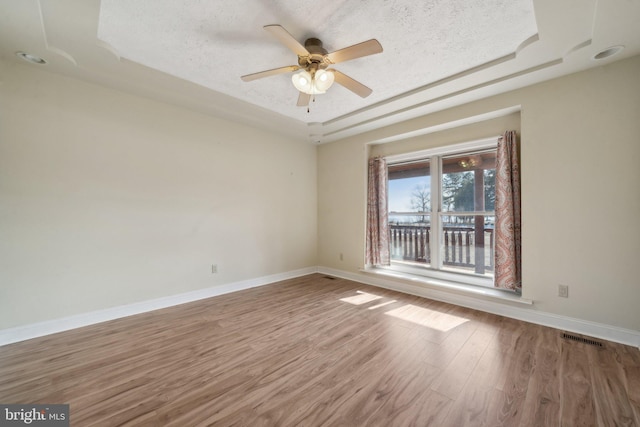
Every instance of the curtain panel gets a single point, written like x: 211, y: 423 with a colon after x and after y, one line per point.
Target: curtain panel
x: 508, y: 241
x: 377, y: 247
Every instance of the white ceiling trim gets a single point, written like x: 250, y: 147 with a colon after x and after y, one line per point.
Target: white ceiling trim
x: 419, y: 109
x: 448, y: 125
x: 568, y: 34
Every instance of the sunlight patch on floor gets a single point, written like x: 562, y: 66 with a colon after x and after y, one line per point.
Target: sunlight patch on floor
x: 425, y: 317
x: 361, y: 298
x: 382, y: 304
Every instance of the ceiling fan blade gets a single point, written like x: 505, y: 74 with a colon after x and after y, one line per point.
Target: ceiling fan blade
x: 303, y: 99
x: 267, y: 73
x: 351, y: 84
x: 287, y: 39
x: 359, y: 50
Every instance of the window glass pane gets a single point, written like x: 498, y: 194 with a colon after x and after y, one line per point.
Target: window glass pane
x: 490, y: 188
x: 409, y: 194
x: 410, y: 242
x: 467, y: 243
x: 468, y: 182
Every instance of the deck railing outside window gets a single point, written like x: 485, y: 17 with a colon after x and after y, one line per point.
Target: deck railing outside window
x: 411, y: 243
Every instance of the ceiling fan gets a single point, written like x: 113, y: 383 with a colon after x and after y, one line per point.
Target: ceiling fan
x: 314, y: 60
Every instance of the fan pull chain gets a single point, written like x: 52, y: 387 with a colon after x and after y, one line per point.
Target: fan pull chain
x: 312, y: 100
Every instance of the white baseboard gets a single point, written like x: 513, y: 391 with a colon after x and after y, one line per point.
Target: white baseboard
x: 516, y: 311
x: 22, y: 333
x: 504, y: 308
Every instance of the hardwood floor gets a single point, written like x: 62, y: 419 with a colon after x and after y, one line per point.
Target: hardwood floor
x: 317, y: 351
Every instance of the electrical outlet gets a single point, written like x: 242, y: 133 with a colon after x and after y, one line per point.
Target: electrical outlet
x: 214, y: 268
x: 563, y: 291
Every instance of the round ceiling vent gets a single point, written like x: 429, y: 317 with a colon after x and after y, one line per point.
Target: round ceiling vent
x: 608, y: 52
x: 34, y: 59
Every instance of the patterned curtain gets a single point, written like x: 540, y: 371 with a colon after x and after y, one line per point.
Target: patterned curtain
x: 377, y: 251
x: 508, y: 241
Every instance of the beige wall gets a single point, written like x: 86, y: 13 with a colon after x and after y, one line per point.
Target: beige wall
x: 108, y: 199
x: 580, y: 139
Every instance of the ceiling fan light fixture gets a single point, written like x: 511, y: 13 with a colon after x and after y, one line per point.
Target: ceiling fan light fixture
x: 303, y: 82
x: 323, y: 80
x: 313, y: 85
x: 312, y: 77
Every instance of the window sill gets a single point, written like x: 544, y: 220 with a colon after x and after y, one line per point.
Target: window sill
x: 458, y: 287
x: 444, y: 275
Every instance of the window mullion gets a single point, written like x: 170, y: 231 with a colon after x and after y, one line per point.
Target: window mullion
x: 436, y: 208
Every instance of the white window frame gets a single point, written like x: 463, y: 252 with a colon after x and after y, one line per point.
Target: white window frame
x: 436, y: 210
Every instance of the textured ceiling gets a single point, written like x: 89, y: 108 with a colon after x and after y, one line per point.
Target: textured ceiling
x: 213, y: 43
x: 437, y: 54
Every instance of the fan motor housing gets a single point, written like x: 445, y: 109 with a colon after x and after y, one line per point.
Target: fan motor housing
x: 317, y: 54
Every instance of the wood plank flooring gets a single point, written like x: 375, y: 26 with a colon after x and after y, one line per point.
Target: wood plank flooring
x: 316, y: 351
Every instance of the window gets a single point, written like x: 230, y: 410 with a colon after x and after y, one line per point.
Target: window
x: 441, y: 212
